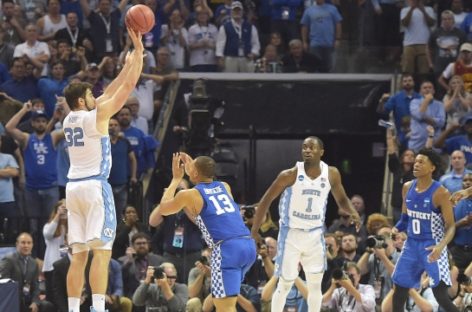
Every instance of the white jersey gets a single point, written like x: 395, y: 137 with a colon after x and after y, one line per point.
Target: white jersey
x: 89, y: 150
x: 303, y: 205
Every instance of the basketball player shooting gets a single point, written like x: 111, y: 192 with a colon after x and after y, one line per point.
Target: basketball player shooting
x: 89, y: 198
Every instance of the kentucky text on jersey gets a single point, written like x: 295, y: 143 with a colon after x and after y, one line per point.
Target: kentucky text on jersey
x: 215, y: 190
x: 419, y: 215
x: 311, y: 192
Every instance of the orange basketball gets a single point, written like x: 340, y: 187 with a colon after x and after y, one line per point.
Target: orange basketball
x: 140, y: 18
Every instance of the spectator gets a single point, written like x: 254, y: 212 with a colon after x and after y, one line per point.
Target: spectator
x: 349, y: 248
x: 20, y: 87
x: 444, y: 43
x: 351, y: 295
x: 425, y: 111
x: 461, y: 142
x: 39, y: 149
x: 452, y: 180
x: 375, y: 222
x: 344, y: 224
x: 109, y: 69
x: 105, y: 23
x: 457, y: 7
x: 37, y: 52
x: 297, y: 60
x: 457, y: 102
x: 270, y: 62
x: 6, y: 51
x: 248, y: 300
x: 74, y: 60
x: 23, y: 269
x: 8, y: 169
x: 321, y: 32
x: 52, y: 87
x: 73, y: 33
x: 333, y: 259
x: 262, y: 269
x: 296, y: 298
x: 50, y: 23
x: 199, y: 282
x: 284, y: 18
x: 276, y: 40
x: 401, y: 166
x: 124, y: 167
x: 136, y: 261
x: 153, y: 37
x: 54, y: 232
x: 237, y: 44
x: 161, y: 291
x: 386, y: 25
x: 461, y: 67
x: 202, y: 43
x: 93, y: 75
x: 15, y: 33
x: 169, y: 6
x: 129, y: 226
x: 223, y: 13
x: 379, y: 262
x: 175, y: 37
x: 462, y: 249
x: 358, y: 203
x: 416, y: 20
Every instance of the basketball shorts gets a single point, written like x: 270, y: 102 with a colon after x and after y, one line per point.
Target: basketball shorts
x: 413, y: 262
x: 230, y: 261
x: 294, y: 247
x: 91, y: 214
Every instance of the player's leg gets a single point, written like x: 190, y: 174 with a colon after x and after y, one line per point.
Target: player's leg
x: 400, y: 296
x: 286, y: 266
x: 98, y: 277
x: 313, y: 261
x: 442, y: 297
x: 75, y: 276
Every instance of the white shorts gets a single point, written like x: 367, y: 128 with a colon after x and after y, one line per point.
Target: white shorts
x: 296, y: 247
x: 91, y: 214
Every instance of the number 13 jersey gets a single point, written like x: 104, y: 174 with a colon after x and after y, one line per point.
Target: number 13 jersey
x: 89, y: 150
x: 425, y: 221
x: 303, y: 205
x: 219, y: 218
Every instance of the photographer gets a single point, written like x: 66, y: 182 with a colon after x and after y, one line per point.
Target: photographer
x: 350, y: 295
x: 262, y: 269
x: 199, y: 282
x: 379, y: 262
x: 333, y: 259
x: 160, y: 292
x: 464, y: 299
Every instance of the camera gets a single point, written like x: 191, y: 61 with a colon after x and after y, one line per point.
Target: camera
x: 463, y: 279
x: 203, y: 260
x: 376, y: 241
x: 340, y: 274
x: 158, y: 273
x: 249, y: 211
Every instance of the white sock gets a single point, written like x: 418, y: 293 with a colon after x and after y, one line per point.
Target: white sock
x: 74, y: 304
x: 280, y: 295
x: 98, y: 302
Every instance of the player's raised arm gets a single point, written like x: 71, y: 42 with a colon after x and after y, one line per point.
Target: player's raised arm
x: 283, y: 180
x: 339, y: 194
x: 112, y: 105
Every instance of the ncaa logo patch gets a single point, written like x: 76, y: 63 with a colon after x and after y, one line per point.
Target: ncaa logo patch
x: 301, y: 178
x: 322, y: 185
x: 108, y: 232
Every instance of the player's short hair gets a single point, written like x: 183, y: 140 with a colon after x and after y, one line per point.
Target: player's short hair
x: 317, y: 139
x: 205, y: 166
x: 74, y: 91
x: 433, y: 157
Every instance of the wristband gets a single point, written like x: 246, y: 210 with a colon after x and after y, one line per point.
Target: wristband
x: 402, y: 224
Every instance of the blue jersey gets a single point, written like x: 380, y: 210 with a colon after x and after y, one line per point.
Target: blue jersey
x: 220, y: 218
x: 40, y: 158
x: 425, y: 221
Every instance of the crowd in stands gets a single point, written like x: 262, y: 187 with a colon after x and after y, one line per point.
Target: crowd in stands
x: 44, y: 45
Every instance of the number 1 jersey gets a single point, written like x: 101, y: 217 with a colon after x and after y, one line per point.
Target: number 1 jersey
x: 303, y: 205
x: 425, y: 221
x: 89, y: 150
x: 219, y: 218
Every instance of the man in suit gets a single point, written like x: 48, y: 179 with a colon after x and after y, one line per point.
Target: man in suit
x: 21, y: 267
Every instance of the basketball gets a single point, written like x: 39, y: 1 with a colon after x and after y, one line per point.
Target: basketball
x: 140, y: 18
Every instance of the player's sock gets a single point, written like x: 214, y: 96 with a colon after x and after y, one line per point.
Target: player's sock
x: 280, y: 295
x: 98, y: 302
x: 440, y: 293
x: 74, y: 304
x: 400, y: 296
x: 315, y: 296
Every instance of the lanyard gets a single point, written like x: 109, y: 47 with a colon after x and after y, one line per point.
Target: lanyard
x: 106, y: 22
x: 73, y: 37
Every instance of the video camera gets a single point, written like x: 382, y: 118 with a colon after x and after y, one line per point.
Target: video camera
x: 376, y: 241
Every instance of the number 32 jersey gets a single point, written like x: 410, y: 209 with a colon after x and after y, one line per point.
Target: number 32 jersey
x: 219, y: 218
x: 303, y: 205
x: 89, y: 150
x: 425, y: 221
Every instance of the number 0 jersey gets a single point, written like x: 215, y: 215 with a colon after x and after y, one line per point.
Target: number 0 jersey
x: 425, y: 221
x: 303, y: 205
x: 89, y: 150
x: 219, y: 218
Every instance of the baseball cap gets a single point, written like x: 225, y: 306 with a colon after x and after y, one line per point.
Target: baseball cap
x: 92, y: 66
x: 236, y: 4
x: 466, y: 47
x: 39, y: 113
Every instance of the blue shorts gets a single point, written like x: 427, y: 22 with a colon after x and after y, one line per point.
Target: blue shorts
x: 230, y: 261
x: 413, y: 262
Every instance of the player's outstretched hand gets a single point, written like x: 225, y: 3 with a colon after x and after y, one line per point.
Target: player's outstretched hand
x: 187, y: 160
x: 435, y: 253
x: 136, y: 39
x: 456, y: 196
x: 177, y: 167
